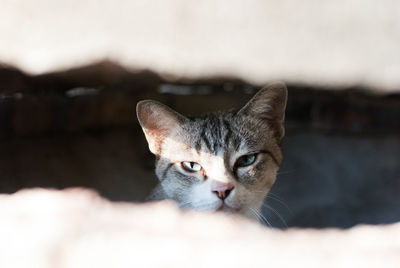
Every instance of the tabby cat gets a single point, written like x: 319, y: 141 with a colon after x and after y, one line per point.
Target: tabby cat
x: 221, y: 161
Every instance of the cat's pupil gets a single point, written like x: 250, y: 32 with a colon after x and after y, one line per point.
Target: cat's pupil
x: 191, y: 166
x: 246, y: 160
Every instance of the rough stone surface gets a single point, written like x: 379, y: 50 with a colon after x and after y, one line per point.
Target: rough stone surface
x: 76, y: 228
x: 340, y: 42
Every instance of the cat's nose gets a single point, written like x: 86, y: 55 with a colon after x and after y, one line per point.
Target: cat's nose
x: 221, y: 189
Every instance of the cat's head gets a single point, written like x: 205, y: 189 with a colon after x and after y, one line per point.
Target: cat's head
x: 220, y: 161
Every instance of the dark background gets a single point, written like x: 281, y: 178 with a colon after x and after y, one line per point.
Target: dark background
x: 78, y: 128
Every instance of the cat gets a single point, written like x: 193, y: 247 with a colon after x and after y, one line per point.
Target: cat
x: 221, y: 161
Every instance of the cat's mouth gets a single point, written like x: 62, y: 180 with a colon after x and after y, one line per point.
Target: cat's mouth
x: 225, y: 208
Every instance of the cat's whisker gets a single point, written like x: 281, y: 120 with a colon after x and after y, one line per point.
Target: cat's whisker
x: 257, y: 216
x: 281, y: 202
x: 273, y: 194
x: 276, y: 198
x: 265, y: 219
x: 260, y: 217
x: 277, y: 214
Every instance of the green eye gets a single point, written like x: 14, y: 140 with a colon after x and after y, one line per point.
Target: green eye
x: 246, y: 160
x: 191, y: 166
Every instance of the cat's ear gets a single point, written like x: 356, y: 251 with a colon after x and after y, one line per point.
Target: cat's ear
x: 269, y: 104
x: 157, y: 121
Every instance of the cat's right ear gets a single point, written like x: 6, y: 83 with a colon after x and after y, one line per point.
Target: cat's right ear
x: 158, y: 121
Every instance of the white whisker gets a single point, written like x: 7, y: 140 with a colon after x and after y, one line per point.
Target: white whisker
x: 270, y: 195
x: 260, y: 217
x: 277, y: 214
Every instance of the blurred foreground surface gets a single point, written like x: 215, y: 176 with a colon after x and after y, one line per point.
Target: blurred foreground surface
x: 76, y: 228
x: 337, y: 43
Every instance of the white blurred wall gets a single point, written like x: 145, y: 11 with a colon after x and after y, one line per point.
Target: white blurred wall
x: 338, y: 42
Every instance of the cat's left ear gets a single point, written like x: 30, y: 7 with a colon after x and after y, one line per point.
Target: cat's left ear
x: 269, y: 104
x: 158, y: 121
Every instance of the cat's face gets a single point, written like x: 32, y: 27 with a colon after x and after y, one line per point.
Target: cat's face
x: 221, y: 161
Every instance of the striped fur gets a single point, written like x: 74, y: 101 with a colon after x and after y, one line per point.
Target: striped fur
x: 216, y: 141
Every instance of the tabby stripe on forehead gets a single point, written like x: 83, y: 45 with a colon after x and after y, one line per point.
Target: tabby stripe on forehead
x: 197, y: 145
x: 237, y: 142
x: 217, y: 131
x: 205, y: 139
x: 166, y: 169
x: 216, y: 145
x: 228, y: 131
x: 272, y: 156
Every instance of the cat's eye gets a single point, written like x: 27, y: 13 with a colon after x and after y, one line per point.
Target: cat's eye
x: 191, y: 166
x: 245, y: 160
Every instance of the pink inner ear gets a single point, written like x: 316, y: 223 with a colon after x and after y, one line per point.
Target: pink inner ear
x: 157, y: 121
x: 156, y: 132
x: 157, y: 117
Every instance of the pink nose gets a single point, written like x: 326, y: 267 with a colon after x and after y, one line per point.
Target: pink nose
x: 221, y: 189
